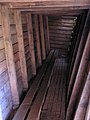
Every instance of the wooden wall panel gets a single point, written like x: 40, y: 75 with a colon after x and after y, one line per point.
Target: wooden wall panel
x: 4, y: 78
x: 32, y: 48
x: 34, y: 38
x: 26, y: 44
x: 61, y: 29
x: 15, y: 49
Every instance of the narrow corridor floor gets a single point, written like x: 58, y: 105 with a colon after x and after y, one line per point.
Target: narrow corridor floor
x: 54, y: 105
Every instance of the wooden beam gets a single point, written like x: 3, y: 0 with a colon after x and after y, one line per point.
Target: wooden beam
x: 37, y: 40
x: 9, y: 55
x: 69, y: 4
x: 31, y: 43
x: 54, y: 12
x: 19, y: 30
x: 79, y: 78
x: 79, y: 54
x: 83, y: 104
x: 42, y: 37
x: 81, y: 26
x: 48, y: 38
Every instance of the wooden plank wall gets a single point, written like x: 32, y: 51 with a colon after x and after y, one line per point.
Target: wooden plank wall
x: 5, y: 91
x: 61, y: 29
x: 16, y: 52
x: 26, y: 44
x: 16, y: 70
x: 79, y: 83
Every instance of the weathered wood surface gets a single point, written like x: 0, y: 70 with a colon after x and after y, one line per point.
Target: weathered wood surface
x: 21, y: 48
x: 61, y: 29
x: 83, y: 103
x: 39, y: 59
x: 9, y: 55
x: 31, y: 44
x: 42, y: 37
x: 79, y: 78
x: 82, y: 19
x: 34, y: 113
x: 69, y: 4
x: 54, y: 105
x: 79, y: 53
x: 26, y: 104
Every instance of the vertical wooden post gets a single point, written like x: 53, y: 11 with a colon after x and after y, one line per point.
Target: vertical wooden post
x: 19, y: 30
x: 79, y: 53
x: 83, y: 104
x: 9, y: 55
x: 79, y: 78
x: 42, y: 37
x: 31, y: 43
x: 48, y: 39
x: 37, y: 40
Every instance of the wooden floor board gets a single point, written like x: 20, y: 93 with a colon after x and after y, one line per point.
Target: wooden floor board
x: 55, y: 98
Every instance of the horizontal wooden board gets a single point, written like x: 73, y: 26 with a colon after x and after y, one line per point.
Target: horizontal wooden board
x: 61, y: 32
x: 3, y: 66
x: 2, y: 55
x: 26, y: 42
x: 24, y: 26
x: 15, y: 48
x: 18, y: 73
x: 25, y: 35
x: 14, y: 38
x: 3, y: 78
x: 27, y: 56
x: 16, y: 56
x: 26, y: 49
x: 24, y: 20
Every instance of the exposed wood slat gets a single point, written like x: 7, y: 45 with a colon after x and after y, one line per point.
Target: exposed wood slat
x: 31, y: 43
x: 25, y: 106
x: 9, y: 55
x: 48, y: 38
x: 42, y: 37
x: 21, y: 48
x: 37, y: 40
x: 34, y: 113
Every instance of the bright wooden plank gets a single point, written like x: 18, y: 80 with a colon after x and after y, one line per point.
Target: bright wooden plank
x: 21, y: 48
x: 9, y: 55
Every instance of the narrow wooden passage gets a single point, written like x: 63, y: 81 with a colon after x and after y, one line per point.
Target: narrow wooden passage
x: 54, y: 105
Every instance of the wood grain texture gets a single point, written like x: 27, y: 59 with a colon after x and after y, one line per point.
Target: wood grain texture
x: 21, y: 48
x: 9, y: 55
